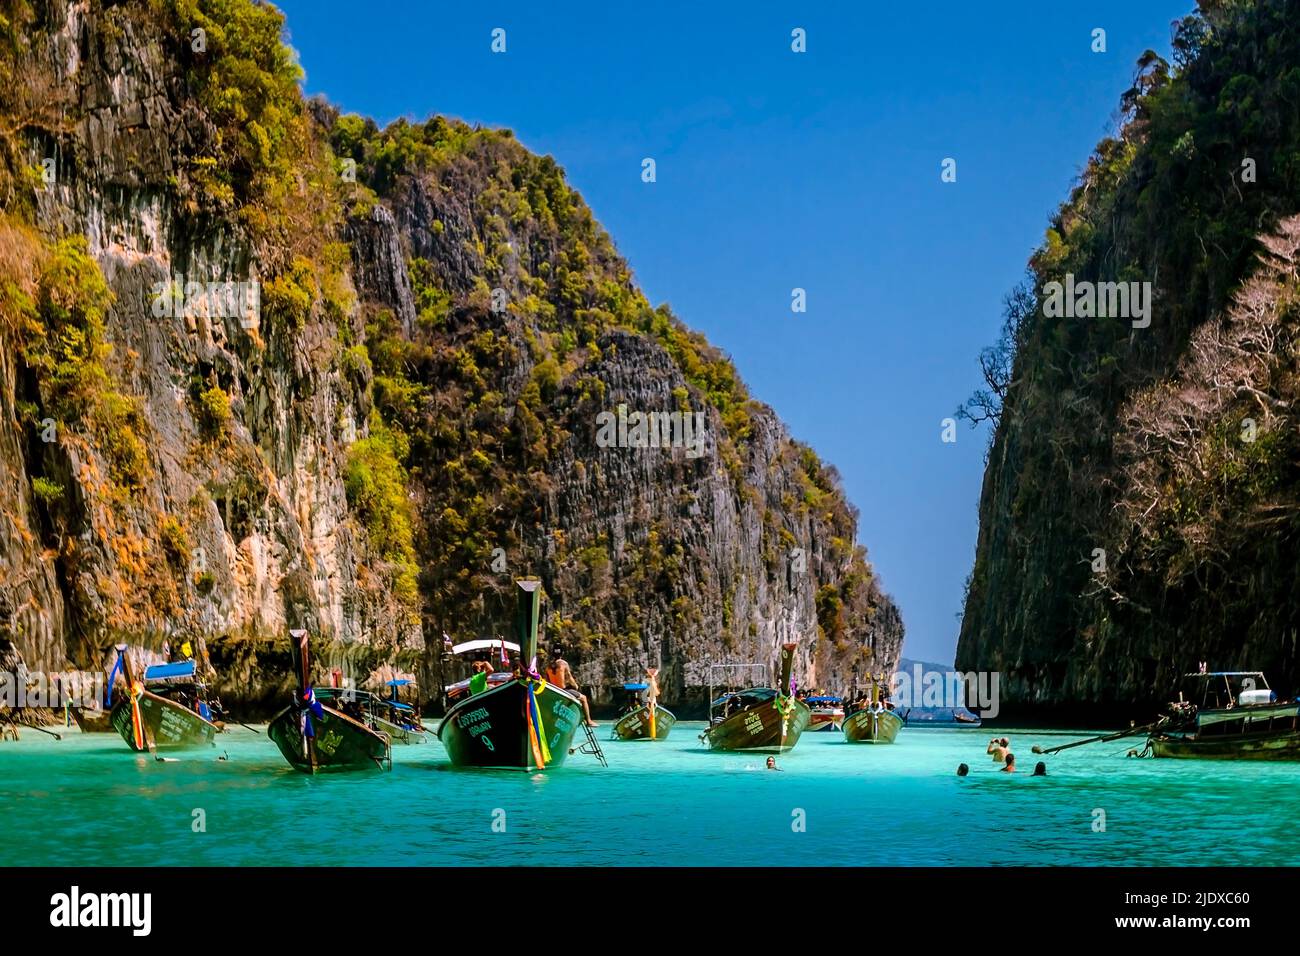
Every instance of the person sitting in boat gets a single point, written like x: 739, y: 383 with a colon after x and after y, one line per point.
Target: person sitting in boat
x: 559, y: 673
x: 478, y: 681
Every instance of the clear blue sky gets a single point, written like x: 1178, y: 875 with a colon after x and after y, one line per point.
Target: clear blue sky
x: 779, y: 170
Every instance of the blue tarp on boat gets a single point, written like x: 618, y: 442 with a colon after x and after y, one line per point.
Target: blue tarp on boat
x: 169, y: 671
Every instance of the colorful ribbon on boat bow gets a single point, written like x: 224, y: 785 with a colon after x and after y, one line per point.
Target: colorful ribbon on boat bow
x: 310, y: 706
x: 137, y: 720
x: 536, y: 729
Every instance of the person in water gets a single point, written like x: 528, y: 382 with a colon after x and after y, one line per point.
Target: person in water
x: 1011, y: 763
x: 962, y: 770
x: 559, y: 673
x: 999, y: 747
x: 771, y: 764
x: 1040, y: 769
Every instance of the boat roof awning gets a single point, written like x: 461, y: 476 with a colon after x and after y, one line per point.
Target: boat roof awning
x: 635, y: 686
x: 496, y: 677
x: 177, y: 671
x: 758, y: 693
x: 398, y: 683
x: 349, y: 693
x: 824, y: 700
x: 1226, y: 674
x: 483, y: 644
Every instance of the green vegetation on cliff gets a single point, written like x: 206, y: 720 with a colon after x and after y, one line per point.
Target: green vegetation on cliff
x: 1142, y: 499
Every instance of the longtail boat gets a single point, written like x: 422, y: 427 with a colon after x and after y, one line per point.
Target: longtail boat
x: 641, y: 719
x: 93, y: 719
x: 760, y: 719
x: 827, y: 712
x: 874, y: 722
x: 166, y: 710
x: 388, y: 716
x: 92, y: 715
x: 521, y: 723
x: 1231, y: 715
x: 316, y: 738
x: 399, y: 720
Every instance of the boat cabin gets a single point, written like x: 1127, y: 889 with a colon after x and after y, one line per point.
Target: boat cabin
x: 1224, y: 690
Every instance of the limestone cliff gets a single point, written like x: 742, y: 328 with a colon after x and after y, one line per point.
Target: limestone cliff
x: 1141, y: 506
x: 398, y: 418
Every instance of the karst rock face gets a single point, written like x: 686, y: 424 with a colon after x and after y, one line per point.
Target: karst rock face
x: 1139, y: 514
x: 404, y: 415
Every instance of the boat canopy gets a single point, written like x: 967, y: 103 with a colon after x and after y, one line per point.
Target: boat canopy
x: 1225, y: 674
x: 398, y: 683
x: 823, y: 700
x: 164, y: 672
x: 484, y: 644
x: 755, y: 695
x: 351, y: 693
x: 635, y: 686
x: 495, y: 678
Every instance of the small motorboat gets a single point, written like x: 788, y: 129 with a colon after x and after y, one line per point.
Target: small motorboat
x: 827, y: 712
x: 641, y: 720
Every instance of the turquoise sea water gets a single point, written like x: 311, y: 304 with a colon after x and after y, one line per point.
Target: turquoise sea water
x: 87, y: 801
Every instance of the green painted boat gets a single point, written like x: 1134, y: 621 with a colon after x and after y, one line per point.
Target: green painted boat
x: 525, y: 723
x: 1228, y: 715
x: 636, y: 724
x: 760, y: 719
x: 165, y: 710
x: 872, y: 726
x: 315, y: 738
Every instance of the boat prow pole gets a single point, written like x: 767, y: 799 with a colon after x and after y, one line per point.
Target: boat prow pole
x: 1132, y: 731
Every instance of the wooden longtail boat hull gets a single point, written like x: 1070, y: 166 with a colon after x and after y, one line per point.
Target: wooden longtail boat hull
x: 1267, y: 746
x: 96, y: 721
x: 490, y: 730
x: 341, y: 743
x: 760, y: 729
x: 866, y: 727
x: 636, y: 724
x: 168, y: 724
x: 399, y: 735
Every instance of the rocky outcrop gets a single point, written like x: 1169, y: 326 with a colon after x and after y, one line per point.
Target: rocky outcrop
x: 251, y: 508
x: 1140, y: 513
